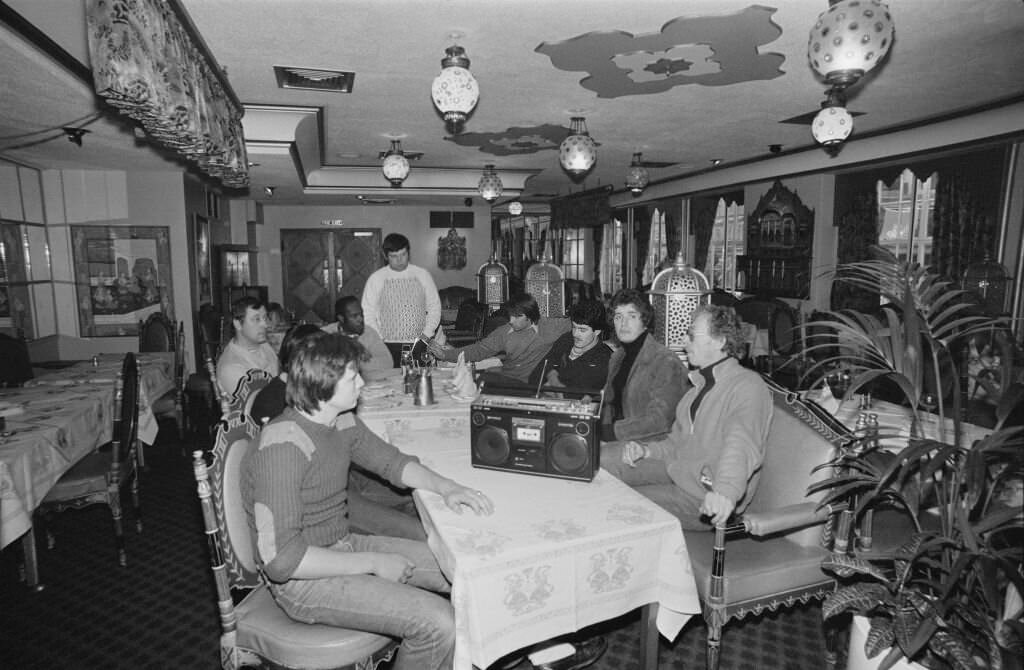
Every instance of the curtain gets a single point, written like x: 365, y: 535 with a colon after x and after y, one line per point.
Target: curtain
x: 672, y: 211
x: 961, y: 232
x: 642, y: 236
x: 703, y: 221
x: 858, y: 230
x: 598, y: 258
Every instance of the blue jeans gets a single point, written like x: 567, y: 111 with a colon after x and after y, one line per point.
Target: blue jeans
x: 650, y: 478
x: 424, y: 621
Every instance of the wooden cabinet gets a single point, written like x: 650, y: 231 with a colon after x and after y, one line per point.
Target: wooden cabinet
x: 780, y: 233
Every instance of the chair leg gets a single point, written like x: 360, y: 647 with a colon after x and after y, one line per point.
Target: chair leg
x: 114, y: 501
x: 831, y: 648
x: 136, y: 504
x: 714, y: 646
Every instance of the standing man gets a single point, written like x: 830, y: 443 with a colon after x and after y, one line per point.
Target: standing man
x: 711, y: 461
x: 400, y: 300
x: 249, y: 348
x: 349, y: 320
x: 645, y: 378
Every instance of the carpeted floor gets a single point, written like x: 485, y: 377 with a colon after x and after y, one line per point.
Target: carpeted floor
x: 160, y: 612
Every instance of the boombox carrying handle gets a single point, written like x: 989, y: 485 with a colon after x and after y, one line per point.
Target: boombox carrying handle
x: 526, y: 390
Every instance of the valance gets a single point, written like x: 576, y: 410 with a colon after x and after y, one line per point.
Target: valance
x: 587, y: 209
x: 149, y: 62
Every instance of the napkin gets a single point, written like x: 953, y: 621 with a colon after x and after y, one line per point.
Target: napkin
x: 828, y: 401
x: 465, y: 386
x: 461, y: 372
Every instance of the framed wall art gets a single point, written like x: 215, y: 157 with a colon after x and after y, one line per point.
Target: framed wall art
x: 122, y: 274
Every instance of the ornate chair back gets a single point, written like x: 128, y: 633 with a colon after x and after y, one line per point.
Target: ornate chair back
x: 248, y: 386
x: 156, y: 333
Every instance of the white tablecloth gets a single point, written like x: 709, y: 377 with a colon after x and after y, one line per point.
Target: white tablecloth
x: 556, y: 556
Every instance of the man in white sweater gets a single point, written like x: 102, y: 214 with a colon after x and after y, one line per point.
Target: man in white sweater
x: 400, y: 300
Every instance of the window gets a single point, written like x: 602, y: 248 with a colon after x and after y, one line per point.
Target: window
x: 576, y: 263
x: 728, y: 240
x: 657, y: 248
x: 906, y: 209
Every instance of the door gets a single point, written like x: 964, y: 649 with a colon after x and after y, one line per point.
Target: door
x: 320, y: 266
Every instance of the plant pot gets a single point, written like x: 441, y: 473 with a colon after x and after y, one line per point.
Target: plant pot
x: 857, y: 660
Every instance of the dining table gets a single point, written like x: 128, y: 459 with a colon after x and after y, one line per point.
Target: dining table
x: 555, y: 556
x: 54, y: 421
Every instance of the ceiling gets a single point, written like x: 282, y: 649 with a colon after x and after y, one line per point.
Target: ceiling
x: 686, y: 83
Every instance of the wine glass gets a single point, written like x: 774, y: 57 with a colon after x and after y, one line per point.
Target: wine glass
x: 427, y: 359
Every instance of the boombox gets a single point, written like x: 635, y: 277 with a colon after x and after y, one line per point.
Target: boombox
x: 537, y: 436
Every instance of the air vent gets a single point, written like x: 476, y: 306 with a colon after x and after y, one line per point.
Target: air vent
x: 310, y: 79
x: 376, y: 201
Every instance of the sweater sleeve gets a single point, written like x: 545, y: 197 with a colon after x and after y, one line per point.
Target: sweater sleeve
x: 371, y: 301
x: 743, y: 446
x: 277, y: 472
x: 433, y: 303
x: 380, y: 356
x: 492, y: 345
x: 371, y: 452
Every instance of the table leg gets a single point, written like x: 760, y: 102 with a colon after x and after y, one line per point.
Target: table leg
x: 28, y: 549
x: 649, y: 637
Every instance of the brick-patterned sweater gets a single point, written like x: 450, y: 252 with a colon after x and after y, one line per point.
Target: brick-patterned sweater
x: 294, y: 485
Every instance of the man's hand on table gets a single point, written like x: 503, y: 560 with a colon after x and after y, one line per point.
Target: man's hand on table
x: 436, y: 349
x: 456, y: 496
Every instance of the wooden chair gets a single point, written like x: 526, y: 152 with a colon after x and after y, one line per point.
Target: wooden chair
x: 248, y: 386
x: 156, y: 333
x: 99, y: 477
x: 256, y: 631
x: 172, y: 403
x: 469, y: 324
x: 15, y: 364
x: 771, y: 556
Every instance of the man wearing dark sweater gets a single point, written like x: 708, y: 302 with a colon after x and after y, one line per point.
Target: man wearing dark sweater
x: 294, y: 492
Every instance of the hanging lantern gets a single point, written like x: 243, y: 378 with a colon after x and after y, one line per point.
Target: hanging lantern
x: 675, y: 293
x: 637, y: 176
x: 515, y: 208
x: 396, y: 165
x: 833, y: 124
x: 492, y: 284
x: 987, y: 280
x: 578, y: 152
x: 546, y: 283
x: 849, y: 39
x: 490, y: 186
x: 455, y: 91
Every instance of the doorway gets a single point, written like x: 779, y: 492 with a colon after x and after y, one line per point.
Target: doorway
x: 320, y: 266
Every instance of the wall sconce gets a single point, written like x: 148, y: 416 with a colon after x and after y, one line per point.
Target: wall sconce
x: 455, y: 91
x: 578, y: 152
x: 395, y: 165
x: 637, y: 176
x: 833, y: 124
x: 490, y: 185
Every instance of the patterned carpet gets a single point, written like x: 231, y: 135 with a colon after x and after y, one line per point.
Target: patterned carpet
x: 160, y: 612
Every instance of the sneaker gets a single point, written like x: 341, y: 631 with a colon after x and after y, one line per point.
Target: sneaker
x: 587, y: 652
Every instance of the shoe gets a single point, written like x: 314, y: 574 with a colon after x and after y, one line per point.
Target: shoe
x: 587, y: 652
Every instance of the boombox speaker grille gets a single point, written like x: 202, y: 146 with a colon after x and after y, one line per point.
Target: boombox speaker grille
x: 491, y: 446
x: 570, y: 454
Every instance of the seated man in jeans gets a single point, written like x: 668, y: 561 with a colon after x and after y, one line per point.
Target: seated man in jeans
x: 709, y: 464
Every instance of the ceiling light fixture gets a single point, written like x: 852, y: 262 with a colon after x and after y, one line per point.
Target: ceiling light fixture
x: 637, y: 176
x: 833, y: 124
x: 268, y: 191
x: 74, y: 135
x: 395, y: 166
x: 578, y: 152
x: 515, y: 208
x: 490, y: 185
x: 848, y: 40
x: 455, y: 91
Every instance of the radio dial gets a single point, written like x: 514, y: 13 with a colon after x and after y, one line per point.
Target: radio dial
x: 582, y: 428
x: 478, y: 418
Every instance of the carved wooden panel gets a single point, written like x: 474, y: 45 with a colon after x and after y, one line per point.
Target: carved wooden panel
x: 780, y: 234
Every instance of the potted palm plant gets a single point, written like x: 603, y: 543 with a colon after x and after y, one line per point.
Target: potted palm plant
x: 945, y: 598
